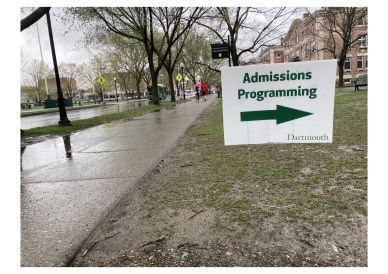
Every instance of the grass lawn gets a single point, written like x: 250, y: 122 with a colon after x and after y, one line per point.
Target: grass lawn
x: 309, y: 186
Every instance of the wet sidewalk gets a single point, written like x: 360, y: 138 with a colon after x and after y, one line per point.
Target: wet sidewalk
x: 70, y: 183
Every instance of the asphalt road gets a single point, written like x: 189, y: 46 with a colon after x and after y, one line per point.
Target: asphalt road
x: 70, y: 183
x: 52, y: 118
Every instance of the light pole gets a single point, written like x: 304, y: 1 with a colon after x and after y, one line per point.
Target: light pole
x: 102, y: 69
x: 117, y: 99
x: 183, y: 81
x: 63, y: 120
x: 121, y: 96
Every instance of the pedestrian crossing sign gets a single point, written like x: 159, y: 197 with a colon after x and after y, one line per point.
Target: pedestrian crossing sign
x: 101, y: 80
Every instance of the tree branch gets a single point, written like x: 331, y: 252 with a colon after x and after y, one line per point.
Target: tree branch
x: 33, y: 17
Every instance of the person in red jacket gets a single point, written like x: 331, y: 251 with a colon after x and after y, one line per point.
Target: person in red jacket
x: 204, y: 90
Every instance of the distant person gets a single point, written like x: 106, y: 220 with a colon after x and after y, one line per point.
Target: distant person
x: 197, y: 88
x: 204, y: 89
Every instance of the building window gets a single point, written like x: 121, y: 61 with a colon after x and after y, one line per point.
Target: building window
x: 366, y: 61
x: 359, y: 62
x: 302, y: 52
x: 360, y: 21
x: 363, y: 41
x: 347, y: 81
x: 312, y: 28
x: 312, y: 46
x: 278, y: 54
x: 347, y: 63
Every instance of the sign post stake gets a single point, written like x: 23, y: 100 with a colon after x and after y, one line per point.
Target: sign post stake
x: 229, y: 51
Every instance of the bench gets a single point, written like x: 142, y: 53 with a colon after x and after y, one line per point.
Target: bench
x: 361, y: 81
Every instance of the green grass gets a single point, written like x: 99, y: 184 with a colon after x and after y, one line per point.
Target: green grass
x: 313, y: 185
x: 95, y: 121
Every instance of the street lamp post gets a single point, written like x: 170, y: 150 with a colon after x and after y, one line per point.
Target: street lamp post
x: 183, y: 81
x: 63, y: 120
x: 117, y: 99
x: 102, y: 69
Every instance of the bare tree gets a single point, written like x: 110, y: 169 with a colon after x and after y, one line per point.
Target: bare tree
x: 248, y: 28
x: 70, y: 74
x: 35, y: 73
x: 343, y: 26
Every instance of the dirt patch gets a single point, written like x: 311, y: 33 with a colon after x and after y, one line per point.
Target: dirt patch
x: 150, y: 228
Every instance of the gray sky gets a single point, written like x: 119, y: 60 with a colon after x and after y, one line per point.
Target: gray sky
x: 64, y: 44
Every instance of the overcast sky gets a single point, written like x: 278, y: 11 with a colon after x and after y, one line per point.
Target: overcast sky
x: 64, y: 44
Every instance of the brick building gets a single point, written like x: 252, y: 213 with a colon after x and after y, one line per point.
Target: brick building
x: 272, y: 55
x: 307, y: 40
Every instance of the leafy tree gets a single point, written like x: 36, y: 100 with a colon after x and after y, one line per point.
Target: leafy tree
x: 126, y: 57
x: 198, y: 60
x: 142, y: 24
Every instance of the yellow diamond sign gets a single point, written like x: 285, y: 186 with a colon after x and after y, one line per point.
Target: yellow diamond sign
x: 101, y: 80
x: 179, y: 77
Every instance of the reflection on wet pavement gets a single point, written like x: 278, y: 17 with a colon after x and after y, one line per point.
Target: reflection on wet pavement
x: 50, y: 119
x: 66, y: 141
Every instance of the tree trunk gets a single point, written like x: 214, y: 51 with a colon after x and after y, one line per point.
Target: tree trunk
x: 155, y: 95
x: 233, y: 52
x: 340, y: 73
x: 138, y: 80
x: 172, y: 87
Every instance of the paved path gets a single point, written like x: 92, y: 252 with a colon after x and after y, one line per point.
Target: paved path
x: 70, y: 183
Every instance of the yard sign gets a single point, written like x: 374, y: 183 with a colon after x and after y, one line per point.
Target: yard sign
x: 279, y: 103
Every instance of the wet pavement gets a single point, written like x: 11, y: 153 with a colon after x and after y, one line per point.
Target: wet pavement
x: 70, y: 183
x: 52, y: 118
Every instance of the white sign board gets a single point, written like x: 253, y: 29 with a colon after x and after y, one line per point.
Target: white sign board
x: 279, y: 103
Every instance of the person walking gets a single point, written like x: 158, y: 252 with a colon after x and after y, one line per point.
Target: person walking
x: 204, y: 90
x: 218, y: 91
x: 197, y: 88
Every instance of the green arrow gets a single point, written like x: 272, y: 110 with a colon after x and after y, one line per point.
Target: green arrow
x: 281, y: 114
